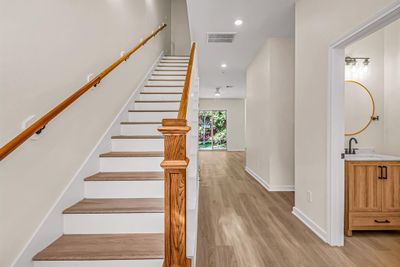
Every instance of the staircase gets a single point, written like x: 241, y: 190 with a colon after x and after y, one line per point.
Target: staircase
x: 120, y: 221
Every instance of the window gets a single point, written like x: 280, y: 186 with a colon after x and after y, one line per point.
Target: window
x: 212, y: 130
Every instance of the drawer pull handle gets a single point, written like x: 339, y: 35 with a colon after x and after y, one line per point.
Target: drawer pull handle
x: 382, y: 221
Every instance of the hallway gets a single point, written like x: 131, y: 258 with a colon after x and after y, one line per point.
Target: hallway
x: 243, y: 225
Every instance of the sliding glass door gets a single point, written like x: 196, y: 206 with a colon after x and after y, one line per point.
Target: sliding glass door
x: 212, y: 130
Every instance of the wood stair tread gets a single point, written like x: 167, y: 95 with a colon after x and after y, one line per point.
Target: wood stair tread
x: 157, y: 101
x: 165, y: 85
x: 183, y: 62
x: 166, y: 80
x: 153, y: 110
x: 137, y: 137
x: 169, y: 56
x: 124, y: 154
x: 104, y: 247
x: 164, y: 65
x: 126, y: 176
x: 171, y: 70
x: 162, y: 75
x: 160, y: 93
x: 117, y: 205
x: 140, y: 122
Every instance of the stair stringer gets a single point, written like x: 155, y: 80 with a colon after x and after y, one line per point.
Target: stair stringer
x: 192, y: 178
x: 52, y: 225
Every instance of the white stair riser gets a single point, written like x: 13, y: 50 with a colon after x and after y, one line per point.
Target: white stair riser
x: 164, y: 60
x: 160, y: 96
x: 156, y: 105
x: 137, y: 145
x: 118, y: 164
x: 176, y: 57
x: 178, y: 83
x: 114, y: 263
x: 163, y: 89
x: 151, y: 116
x: 119, y: 223
x: 172, y: 65
x: 170, y: 72
x: 182, y: 76
x: 140, y: 129
x: 171, y: 68
x: 124, y: 189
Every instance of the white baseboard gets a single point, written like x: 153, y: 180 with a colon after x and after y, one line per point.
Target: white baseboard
x: 51, y: 227
x: 270, y: 188
x: 321, y: 233
x: 236, y: 150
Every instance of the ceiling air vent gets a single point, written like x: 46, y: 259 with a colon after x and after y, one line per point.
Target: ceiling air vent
x: 220, y: 37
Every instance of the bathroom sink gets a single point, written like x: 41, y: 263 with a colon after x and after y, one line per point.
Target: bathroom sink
x: 371, y: 157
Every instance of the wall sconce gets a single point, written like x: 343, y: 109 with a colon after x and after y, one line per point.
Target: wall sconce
x: 353, y: 64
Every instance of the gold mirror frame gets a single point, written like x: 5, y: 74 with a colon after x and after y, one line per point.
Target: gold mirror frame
x: 373, y: 108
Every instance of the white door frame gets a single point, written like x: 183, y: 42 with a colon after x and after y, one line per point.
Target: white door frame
x: 336, y: 121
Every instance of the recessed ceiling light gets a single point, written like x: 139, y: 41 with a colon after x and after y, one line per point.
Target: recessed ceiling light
x: 223, y: 65
x: 217, y: 91
x: 238, y: 22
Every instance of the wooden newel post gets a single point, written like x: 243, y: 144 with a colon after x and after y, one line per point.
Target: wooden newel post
x: 175, y: 164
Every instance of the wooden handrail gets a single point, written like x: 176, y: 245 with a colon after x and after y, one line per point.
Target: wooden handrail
x: 41, y: 123
x: 175, y: 164
x: 186, y: 88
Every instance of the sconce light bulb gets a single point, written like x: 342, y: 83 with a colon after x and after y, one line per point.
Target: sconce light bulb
x: 354, y: 68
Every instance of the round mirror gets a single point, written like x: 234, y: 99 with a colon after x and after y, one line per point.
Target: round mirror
x: 359, y: 107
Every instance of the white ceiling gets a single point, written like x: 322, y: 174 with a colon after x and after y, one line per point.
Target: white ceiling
x: 261, y: 19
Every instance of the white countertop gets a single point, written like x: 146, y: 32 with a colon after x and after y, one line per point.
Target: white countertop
x: 371, y: 157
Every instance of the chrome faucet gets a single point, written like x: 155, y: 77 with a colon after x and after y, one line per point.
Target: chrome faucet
x: 351, y: 150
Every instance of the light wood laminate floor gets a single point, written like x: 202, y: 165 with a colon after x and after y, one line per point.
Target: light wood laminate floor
x: 243, y: 225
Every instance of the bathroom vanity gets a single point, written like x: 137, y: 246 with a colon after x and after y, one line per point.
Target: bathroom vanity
x: 372, y: 195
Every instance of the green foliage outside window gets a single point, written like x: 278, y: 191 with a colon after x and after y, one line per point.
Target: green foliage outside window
x: 212, y: 130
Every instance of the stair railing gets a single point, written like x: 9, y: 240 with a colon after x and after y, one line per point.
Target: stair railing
x: 40, y: 124
x: 175, y: 164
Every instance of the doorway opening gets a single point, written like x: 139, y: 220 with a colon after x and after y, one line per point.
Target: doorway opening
x: 336, y: 119
x: 212, y: 130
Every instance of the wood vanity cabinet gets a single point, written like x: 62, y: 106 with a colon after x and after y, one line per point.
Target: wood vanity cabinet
x: 372, y: 196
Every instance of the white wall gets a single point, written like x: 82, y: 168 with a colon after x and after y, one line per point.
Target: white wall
x: 392, y: 89
x: 180, y: 32
x: 270, y: 114
x: 47, y: 49
x: 358, y: 103
x: 382, y: 80
x: 235, y: 122
x: 318, y: 25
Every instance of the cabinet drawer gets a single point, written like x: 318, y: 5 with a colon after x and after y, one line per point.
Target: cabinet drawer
x: 377, y: 220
